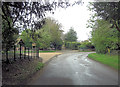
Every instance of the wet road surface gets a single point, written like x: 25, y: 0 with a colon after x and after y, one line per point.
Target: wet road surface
x: 75, y: 69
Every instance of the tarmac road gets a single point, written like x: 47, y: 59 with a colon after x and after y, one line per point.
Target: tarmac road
x: 75, y: 69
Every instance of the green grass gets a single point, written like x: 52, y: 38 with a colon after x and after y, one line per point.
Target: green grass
x: 39, y: 66
x: 32, y: 51
x: 110, y: 60
x: 47, y: 51
x: 85, y: 51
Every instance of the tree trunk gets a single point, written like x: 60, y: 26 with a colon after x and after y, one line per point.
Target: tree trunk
x: 20, y: 51
x: 37, y: 55
x: 25, y: 53
x: 31, y: 52
x: 117, y: 27
x: 28, y: 55
x: 14, y: 53
x: 7, y: 60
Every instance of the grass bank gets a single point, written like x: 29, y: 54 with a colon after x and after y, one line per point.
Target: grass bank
x: 110, y: 60
x: 39, y: 66
x: 18, y: 72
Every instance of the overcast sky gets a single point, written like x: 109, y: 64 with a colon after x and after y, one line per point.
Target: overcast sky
x: 75, y: 17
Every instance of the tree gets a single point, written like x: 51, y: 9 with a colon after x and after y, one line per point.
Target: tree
x: 48, y: 36
x: 43, y: 42
x: 9, y: 36
x: 71, y: 35
x: 53, y: 27
x: 103, y: 37
x: 30, y: 13
x: 25, y: 36
x: 109, y: 11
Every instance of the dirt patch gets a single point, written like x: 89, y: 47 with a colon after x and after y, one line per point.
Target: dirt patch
x: 47, y: 56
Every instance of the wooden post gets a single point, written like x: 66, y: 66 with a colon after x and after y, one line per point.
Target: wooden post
x: 21, y: 44
x: 20, y: 51
x: 37, y: 53
x: 24, y: 52
x: 14, y: 53
x: 28, y: 53
x: 7, y: 60
x: 31, y: 52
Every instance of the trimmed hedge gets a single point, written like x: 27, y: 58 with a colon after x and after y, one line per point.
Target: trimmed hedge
x: 72, y: 45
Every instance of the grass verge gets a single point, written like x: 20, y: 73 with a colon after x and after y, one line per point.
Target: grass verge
x: 110, y: 60
x: 86, y: 51
x: 47, y: 51
x: 39, y: 66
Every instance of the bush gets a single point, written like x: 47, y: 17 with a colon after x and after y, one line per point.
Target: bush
x: 86, y: 45
x: 39, y: 66
x: 104, y: 37
x: 72, y: 45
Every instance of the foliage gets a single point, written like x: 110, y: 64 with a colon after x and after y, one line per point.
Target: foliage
x: 39, y: 66
x: 49, y: 36
x: 85, y: 51
x: 26, y: 13
x: 72, y: 45
x: 111, y: 60
x: 9, y: 36
x: 103, y: 37
x: 54, y: 32
x: 108, y: 11
x: 71, y: 35
x: 43, y: 42
x: 25, y: 36
x: 86, y: 45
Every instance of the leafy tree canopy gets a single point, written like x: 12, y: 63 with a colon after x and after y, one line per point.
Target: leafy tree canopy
x: 48, y: 36
x: 109, y: 11
x: 25, y: 36
x: 28, y: 13
x: 71, y: 35
x: 103, y: 37
x: 9, y: 36
x: 54, y: 29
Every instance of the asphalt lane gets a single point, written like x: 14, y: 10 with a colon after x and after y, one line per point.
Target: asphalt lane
x: 75, y: 69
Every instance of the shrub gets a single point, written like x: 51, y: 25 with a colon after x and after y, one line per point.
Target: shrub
x: 72, y: 45
x: 39, y: 66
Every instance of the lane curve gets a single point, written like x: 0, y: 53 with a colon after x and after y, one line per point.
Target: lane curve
x: 75, y: 69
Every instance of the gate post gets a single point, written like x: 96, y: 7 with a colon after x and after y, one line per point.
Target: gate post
x: 25, y: 53
x: 20, y: 51
x: 28, y: 53
x: 14, y: 53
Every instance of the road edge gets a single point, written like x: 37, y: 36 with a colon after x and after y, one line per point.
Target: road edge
x: 30, y: 78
